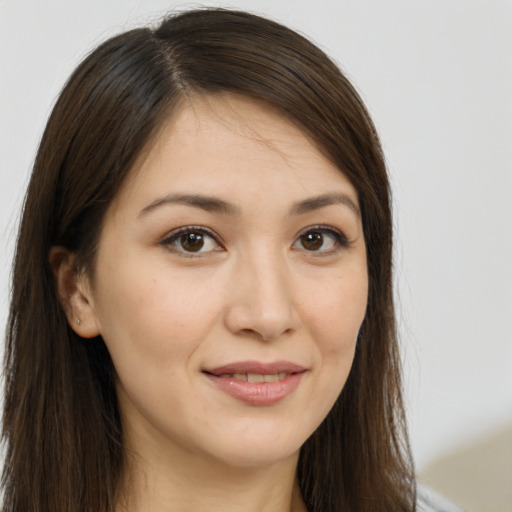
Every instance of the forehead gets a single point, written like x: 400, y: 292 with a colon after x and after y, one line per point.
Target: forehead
x: 227, y: 143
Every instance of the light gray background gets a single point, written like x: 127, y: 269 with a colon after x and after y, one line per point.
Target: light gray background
x: 437, y: 78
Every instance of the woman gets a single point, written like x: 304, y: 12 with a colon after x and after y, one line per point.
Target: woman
x: 202, y: 313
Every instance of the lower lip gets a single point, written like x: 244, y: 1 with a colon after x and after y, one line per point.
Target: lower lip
x: 258, y: 393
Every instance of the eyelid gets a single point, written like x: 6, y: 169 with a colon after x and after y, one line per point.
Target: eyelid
x: 173, y: 235
x: 341, y: 239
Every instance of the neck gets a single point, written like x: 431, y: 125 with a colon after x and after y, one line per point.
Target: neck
x: 168, y: 484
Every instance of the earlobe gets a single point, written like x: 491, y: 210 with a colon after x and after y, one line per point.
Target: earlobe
x: 74, y: 292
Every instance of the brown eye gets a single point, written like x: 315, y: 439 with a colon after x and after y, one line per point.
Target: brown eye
x: 321, y: 239
x: 312, y: 241
x: 192, y: 242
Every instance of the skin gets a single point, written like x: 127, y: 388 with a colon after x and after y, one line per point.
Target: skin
x: 256, y: 290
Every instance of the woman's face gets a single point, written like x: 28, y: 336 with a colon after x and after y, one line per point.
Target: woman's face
x: 230, y: 286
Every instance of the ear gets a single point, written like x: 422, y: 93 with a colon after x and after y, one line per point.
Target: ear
x: 74, y: 291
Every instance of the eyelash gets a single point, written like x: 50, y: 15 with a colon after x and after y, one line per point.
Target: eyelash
x: 172, y: 240
x: 340, y: 240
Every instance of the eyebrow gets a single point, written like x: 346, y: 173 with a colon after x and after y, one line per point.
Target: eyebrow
x: 216, y: 205
x: 207, y: 203
x: 315, y: 203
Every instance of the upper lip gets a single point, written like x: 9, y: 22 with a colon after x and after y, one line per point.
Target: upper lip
x: 256, y: 367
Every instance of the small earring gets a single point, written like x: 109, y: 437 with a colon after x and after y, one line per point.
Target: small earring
x: 77, y: 321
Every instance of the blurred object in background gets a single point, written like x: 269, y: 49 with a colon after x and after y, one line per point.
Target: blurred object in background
x: 477, y: 477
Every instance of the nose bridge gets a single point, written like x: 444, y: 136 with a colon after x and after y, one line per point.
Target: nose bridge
x: 262, y: 296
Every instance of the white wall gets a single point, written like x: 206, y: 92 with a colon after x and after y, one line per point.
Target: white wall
x: 437, y: 77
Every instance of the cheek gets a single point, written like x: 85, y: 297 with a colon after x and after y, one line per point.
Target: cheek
x: 336, y: 311
x: 153, y: 323
x: 147, y: 312
x: 335, y: 314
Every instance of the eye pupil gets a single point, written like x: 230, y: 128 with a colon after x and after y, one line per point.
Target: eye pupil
x: 312, y: 241
x: 192, y: 242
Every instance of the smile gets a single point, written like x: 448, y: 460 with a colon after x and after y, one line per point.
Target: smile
x: 254, y: 377
x: 257, y: 383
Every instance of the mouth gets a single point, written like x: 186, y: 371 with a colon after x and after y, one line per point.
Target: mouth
x: 257, y: 383
x: 254, y: 377
x: 256, y: 368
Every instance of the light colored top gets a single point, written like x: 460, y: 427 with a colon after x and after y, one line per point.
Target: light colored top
x: 430, y: 501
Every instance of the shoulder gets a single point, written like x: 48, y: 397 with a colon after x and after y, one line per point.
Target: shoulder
x: 430, y: 501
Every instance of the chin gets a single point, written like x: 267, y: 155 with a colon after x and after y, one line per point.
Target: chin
x: 251, y: 457
x: 257, y: 448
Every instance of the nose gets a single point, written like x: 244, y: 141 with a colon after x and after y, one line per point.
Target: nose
x: 261, y: 298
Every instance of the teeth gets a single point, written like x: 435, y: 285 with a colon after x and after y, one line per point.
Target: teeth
x: 255, y: 377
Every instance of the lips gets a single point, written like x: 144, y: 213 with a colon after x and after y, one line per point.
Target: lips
x: 254, y: 377
x: 257, y: 383
x: 257, y: 367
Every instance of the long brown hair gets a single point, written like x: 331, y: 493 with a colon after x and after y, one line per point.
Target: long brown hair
x: 62, y: 428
